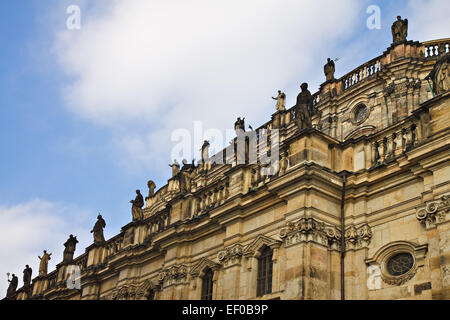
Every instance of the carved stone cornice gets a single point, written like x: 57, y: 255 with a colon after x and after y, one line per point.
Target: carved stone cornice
x: 173, y: 274
x: 358, y: 237
x: 310, y: 230
x: 231, y: 255
x: 313, y: 230
x: 134, y: 291
x: 434, y: 212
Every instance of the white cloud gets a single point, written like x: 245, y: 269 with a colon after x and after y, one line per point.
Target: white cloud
x: 29, y: 228
x: 145, y: 68
x: 428, y: 20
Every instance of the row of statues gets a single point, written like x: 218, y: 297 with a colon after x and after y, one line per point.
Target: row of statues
x: 69, y: 251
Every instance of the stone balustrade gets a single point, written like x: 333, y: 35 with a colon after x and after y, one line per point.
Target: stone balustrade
x: 435, y: 48
x: 396, y: 141
x: 211, y: 197
x: 361, y: 73
x: 113, y: 245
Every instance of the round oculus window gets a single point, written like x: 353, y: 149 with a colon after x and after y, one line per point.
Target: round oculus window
x: 400, y: 264
x: 361, y: 112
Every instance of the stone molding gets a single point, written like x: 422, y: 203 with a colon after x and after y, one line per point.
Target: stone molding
x: 198, y: 269
x: 261, y: 240
x: 434, y: 212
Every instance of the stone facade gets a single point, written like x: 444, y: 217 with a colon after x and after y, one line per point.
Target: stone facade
x: 379, y: 149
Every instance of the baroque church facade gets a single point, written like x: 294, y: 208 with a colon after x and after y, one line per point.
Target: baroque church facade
x: 359, y: 208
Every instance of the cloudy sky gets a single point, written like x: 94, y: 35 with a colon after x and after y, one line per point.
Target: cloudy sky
x: 87, y: 115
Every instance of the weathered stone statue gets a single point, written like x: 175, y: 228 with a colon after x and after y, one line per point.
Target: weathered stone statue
x: 136, y: 208
x: 12, y: 286
x: 98, y: 230
x: 27, y: 272
x: 185, y: 180
x: 43, y: 266
x: 441, y: 75
x: 239, y: 124
x: 329, y: 70
x: 175, y: 167
x: 70, y: 245
x: 151, y: 189
x: 304, y: 104
x: 399, y: 30
x: 281, y: 101
x: 205, y: 151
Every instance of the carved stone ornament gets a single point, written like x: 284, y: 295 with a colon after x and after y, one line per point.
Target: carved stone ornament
x: 434, y: 212
x: 309, y: 229
x: 231, y: 254
x: 384, y: 256
x: 173, y: 274
x: 134, y: 291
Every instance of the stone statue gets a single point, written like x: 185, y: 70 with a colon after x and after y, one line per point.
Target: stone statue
x: 399, y: 30
x: 441, y: 75
x: 43, y: 266
x: 329, y: 70
x: 151, y: 189
x: 304, y: 104
x: 12, y: 286
x: 136, y: 208
x: 98, y: 230
x: 239, y: 124
x: 70, y: 245
x: 205, y: 151
x: 281, y: 101
x: 175, y: 167
x: 27, y: 272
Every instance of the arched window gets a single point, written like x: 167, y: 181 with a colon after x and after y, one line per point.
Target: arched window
x: 265, y: 266
x: 207, y: 285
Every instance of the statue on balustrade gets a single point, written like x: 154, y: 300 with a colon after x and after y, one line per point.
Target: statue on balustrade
x: 13, y: 283
x: 70, y: 245
x: 186, y: 175
x: 329, y: 70
x: 43, y: 266
x: 281, y: 101
x: 441, y: 75
x: 205, y: 151
x: 136, y: 208
x: 239, y: 125
x: 175, y: 167
x: 27, y: 272
x: 151, y: 189
x: 303, y: 107
x: 399, y: 30
x: 98, y: 230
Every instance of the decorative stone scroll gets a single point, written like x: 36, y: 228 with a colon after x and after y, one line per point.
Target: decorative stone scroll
x: 434, y: 212
x: 311, y: 230
x: 134, y: 291
x: 173, y: 274
x: 231, y: 255
x: 358, y: 237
